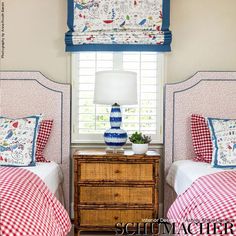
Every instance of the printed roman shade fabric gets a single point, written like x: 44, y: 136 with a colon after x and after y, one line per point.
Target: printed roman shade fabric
x: 118, y: 25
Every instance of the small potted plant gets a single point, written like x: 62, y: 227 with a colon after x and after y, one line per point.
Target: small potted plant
x: 139, y: 142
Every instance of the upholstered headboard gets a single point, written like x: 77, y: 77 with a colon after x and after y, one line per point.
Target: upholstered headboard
x: 28, y: 93
x: 210, y: 94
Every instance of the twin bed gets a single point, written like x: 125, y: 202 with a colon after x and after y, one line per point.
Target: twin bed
x: 193, y: 189
x: 207, y: 93
x: 28, y: 93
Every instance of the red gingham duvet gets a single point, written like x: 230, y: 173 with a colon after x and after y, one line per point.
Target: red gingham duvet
x: 27, y: 207
x: 211, y: 201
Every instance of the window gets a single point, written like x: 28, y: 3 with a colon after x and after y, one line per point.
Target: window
x: 89, y: 121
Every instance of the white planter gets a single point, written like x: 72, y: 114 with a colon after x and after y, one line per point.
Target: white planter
x: 139, y: 148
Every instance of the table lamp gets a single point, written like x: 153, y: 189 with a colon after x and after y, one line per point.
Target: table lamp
x: 115, y: 88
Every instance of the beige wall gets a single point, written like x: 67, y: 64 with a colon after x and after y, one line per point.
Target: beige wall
x: 204, y: 37
x: 35, y: 37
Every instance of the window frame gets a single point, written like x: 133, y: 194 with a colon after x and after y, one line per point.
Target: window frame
x: 98, y: 138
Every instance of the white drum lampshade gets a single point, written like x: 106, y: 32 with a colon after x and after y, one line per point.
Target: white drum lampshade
x: 115, y: 88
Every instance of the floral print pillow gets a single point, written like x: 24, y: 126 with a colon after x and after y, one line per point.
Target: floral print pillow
x: 18, y: 140
x: 223, y: 136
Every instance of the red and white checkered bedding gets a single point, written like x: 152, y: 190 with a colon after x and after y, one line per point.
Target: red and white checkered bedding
x: 210, y: 199
x: 28, y: 208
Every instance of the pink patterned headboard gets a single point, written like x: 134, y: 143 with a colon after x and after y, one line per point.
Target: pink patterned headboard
x: 208, y: 93
x: 28, y: 93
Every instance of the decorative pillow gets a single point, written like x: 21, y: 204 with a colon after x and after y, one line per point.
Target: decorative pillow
x: 18, y: 140
x: 201, y: 139
x: 223, y: 135
x: 43, y: 136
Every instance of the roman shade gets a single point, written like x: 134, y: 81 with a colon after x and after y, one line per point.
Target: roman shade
x: 118, y: 25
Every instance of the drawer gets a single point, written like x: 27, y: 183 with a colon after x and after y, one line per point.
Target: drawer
x: 116, y: 172
x: 118, y: 195
x: 111, y: 217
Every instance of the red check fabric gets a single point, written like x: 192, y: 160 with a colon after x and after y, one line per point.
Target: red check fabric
x: 42, y: 139
x: 209, y: 198
x: 28, y: 208
x: 201, y: 139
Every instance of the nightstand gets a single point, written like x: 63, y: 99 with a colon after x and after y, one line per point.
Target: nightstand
x: 112, y: 188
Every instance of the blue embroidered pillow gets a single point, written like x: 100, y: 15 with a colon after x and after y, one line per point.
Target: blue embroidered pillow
x: 223, y: 135
x: 18, y: 140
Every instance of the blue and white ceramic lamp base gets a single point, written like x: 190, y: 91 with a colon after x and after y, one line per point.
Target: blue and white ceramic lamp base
x: 115, y: 137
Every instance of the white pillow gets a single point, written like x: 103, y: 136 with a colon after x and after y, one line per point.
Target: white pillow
x: 18, y: 140
x: 223, y: 135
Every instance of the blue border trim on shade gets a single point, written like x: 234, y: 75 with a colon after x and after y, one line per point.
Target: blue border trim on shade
x: 119, y: 47
x: 70, y: 22
x: 166, y: 14
x: 166, y: 22
x: 70, y: 14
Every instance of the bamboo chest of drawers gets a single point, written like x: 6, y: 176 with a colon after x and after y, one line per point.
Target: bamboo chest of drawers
x: 114, y: 188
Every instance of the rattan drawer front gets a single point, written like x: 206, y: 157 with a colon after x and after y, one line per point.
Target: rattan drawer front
x: 118, y: 195
x: 111, y: 217
x: 116, y: 172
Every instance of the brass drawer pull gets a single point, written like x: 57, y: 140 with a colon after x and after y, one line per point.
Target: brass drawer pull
x: 116, y: 195
x: 117, y: 171
x: 116, y: 217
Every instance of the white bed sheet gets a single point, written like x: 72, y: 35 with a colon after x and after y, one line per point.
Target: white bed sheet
x: 50, y: 173
x: 183, y: 173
